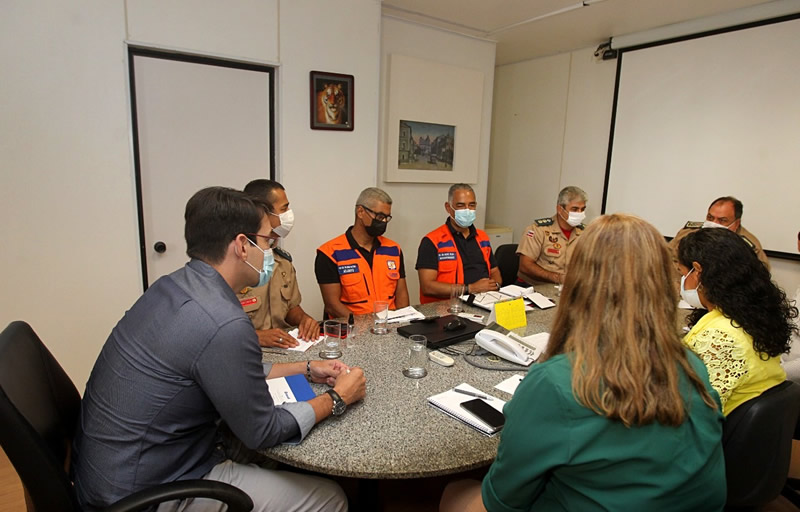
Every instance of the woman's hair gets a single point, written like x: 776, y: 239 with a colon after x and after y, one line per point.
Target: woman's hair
x: 733, y: 279
x: 617, y: 322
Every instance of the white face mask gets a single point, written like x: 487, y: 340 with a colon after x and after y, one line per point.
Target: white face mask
x: 690, y: 296
x: 287, y: 223
x: 709, y: 224
x: 574, y: 218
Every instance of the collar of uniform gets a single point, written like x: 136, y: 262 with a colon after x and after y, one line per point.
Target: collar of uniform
x: 354, y: 245
x: 472, y: 231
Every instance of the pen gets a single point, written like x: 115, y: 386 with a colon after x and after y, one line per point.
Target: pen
x: 470, y: 393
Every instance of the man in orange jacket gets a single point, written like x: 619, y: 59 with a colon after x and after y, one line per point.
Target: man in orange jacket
x: 361, y: 266
x: 456, y: 252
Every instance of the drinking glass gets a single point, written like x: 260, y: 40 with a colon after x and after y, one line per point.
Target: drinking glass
x: 456, y: 291
x: 331, y: 344
x: 381, y: 318
x: 415, y: 366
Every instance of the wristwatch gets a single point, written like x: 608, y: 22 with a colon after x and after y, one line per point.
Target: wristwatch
x: 338, y: 404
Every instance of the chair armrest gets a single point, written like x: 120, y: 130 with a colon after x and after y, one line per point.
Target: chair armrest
x: 236, y: 499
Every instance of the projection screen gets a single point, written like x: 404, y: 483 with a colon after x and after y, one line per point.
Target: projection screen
x: 711, y: 116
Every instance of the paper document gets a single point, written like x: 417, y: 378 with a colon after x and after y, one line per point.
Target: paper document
x: 514, y: 290
x: 294, y: 388
x: 486, y: 300
x: 405, y: 314
x: 450, y: 402
x: 303, y: 345
x: 540, y: 300
x: 510, y: 384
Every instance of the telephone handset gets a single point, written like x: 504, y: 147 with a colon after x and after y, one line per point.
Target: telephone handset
x: 505, y: 347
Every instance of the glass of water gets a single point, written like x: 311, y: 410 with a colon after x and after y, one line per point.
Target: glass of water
x: 331, y: 348
x: 416, y: 365
x: 381, y: 317
x: 456, y: 291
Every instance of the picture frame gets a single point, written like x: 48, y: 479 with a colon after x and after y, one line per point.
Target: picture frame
x: 332, y: 102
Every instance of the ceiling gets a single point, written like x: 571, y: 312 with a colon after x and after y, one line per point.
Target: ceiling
x: 526, y: 29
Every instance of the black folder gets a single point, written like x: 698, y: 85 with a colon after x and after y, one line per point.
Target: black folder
x: 436, y: 333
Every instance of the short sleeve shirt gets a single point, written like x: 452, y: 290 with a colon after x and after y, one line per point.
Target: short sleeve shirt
x: 469, y: 250
x: 268, y: 305
x: 327, y: 271
x: 545, y: 243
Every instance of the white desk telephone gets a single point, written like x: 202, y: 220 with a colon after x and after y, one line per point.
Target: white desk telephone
x: 505, y: 347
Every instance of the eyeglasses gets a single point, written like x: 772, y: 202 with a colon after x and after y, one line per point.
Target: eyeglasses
x: 271, y: 241
x: 380, y: 217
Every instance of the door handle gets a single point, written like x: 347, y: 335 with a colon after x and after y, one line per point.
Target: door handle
x: 160, y: 247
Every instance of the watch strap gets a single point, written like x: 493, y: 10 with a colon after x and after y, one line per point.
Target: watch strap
x: 339, y: 405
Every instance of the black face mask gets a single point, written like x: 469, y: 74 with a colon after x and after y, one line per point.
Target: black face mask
x: 376, y: 228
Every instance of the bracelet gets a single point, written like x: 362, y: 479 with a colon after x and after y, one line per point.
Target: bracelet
x: 308, y: 370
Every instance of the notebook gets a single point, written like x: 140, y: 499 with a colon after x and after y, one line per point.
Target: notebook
x: 450, y: 401
x: 436, y: 334
x: 293, y: 388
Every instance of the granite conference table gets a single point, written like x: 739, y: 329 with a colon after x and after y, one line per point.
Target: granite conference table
x: 394, y: 433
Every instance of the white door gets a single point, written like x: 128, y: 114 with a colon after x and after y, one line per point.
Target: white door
x: 197, y: 123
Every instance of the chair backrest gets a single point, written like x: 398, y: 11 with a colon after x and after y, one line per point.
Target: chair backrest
x: 757, y: 441
x: 39, y: 408
x: 507, y: 262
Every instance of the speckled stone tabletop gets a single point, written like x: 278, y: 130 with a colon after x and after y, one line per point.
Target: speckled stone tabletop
x: 394, y: 432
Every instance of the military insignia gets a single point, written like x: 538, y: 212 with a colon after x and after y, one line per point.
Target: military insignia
x: 529, y: 234
x: 547, y: 221
x: 693, y: 224
x: 553, y: 251
x: 282, y: 253
x: 749, y: 242
x: 556, y: 246
x: 244, y: 290
x: 553, y: 239
x: 391, y: 264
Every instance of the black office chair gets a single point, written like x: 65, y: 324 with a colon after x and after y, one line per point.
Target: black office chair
x: 39, y: 408
x: 757, y: 441
x: 507, y: 262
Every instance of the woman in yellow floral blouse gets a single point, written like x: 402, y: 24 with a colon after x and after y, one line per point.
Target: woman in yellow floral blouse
x: 744, y: 322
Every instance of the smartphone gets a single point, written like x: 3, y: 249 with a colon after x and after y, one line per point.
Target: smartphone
x: 485, y: 412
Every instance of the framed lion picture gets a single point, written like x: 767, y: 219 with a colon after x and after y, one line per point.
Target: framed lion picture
x: 332, y: 99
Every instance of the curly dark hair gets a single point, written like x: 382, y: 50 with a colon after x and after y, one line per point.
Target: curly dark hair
x: 734, y: 280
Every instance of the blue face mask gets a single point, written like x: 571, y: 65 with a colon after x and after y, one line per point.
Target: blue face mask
x: 465, y: 217
x: 268, y: 266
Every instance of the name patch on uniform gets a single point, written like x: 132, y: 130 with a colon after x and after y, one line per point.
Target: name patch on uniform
x: 347, y: 269
x: 249, y: 301
x: 550, y: 250
x: 391, y: 264
x: 447, y: 256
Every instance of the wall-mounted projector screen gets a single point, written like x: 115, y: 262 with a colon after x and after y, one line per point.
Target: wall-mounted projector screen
x: 712, y: 116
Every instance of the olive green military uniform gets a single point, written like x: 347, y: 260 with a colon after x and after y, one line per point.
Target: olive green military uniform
x: 747, y: 236
x: 545, y: 243
x: 268, y: 305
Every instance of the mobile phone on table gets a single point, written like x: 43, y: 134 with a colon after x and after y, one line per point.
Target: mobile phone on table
x: 485, y: 412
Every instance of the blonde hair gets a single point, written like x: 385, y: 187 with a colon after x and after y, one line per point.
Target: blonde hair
x: 617, y: 324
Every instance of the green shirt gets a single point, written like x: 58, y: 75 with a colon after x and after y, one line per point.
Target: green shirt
x: 556, y: 454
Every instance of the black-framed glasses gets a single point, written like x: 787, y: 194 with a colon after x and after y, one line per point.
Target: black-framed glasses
x: 380, y: 217
x: 271, y: 241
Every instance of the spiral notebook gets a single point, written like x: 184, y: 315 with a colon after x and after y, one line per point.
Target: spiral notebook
x: 450, y: 402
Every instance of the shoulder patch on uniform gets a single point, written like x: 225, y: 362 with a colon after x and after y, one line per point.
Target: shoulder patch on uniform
x: 283, y: 253
x: 547, y: 221
x: 749, y: 242
x: 693, y: 224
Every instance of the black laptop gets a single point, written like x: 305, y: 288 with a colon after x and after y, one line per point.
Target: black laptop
x: 443, y: 331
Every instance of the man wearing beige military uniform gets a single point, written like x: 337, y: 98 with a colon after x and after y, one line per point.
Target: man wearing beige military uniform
x: 275, y: 307
x: 724, y: 212
x: 547, y: 245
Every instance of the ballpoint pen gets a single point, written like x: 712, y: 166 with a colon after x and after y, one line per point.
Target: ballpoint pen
x: 470, y: 393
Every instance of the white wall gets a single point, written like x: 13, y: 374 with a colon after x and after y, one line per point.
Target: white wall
x: 70, y: 261
x: 552, y: 118
x: 419, y: 207
x: 70, y: 258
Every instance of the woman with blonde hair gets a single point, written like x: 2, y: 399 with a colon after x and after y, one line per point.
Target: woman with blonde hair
x: 618, y: 415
